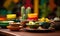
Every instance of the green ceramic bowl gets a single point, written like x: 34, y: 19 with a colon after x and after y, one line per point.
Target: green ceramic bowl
x: 33, y: 26
x: 45, y: 25
x: 3, y: 24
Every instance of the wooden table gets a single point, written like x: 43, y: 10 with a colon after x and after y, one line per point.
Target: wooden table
x: 23, y: 33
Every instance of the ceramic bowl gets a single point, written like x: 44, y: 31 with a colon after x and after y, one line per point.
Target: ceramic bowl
x: 14, y: 24
x: 33, y: 26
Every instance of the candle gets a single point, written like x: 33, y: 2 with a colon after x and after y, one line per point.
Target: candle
x: 36, y: 3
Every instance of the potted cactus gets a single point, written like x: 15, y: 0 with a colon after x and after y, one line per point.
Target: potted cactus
x: 45, y: 12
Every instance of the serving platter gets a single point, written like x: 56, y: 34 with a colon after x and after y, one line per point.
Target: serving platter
x: 38, y: 30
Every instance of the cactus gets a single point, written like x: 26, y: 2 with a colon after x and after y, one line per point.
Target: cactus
x: 58, y: 11
x: 44, y: 9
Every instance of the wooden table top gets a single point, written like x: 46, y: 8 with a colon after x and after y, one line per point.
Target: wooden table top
x: 24, y: 33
